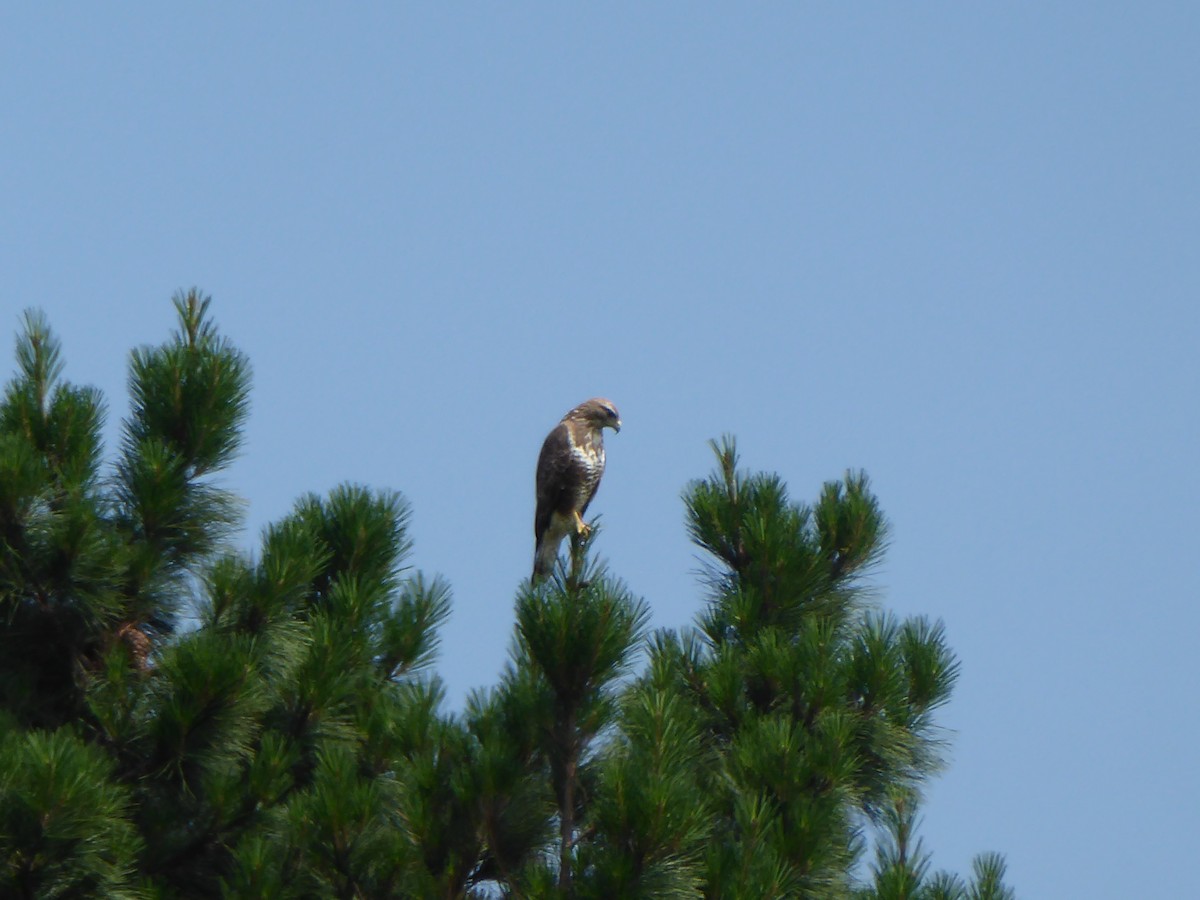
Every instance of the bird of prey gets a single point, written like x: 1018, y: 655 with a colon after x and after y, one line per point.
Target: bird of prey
x: 568, y: 473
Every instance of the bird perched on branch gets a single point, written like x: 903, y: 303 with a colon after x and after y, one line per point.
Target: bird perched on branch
x: 568, y: 473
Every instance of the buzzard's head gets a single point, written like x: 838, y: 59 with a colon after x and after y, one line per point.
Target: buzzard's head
x: 598, y: 413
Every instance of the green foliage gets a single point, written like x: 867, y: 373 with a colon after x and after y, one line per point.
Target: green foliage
x: 818, y: 706
x: 192, y: 394
x: 650, y: 816
x: 64, y: 821
x: 902, y: 866
x: 575, y: 635
x: 295, y: 742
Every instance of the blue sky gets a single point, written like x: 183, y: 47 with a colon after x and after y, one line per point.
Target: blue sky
x: 955, y: 245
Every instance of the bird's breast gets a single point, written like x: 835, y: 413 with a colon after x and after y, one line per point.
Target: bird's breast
x: 589, y: 457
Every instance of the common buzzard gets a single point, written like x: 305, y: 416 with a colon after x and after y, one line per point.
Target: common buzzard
x: 568, y: 473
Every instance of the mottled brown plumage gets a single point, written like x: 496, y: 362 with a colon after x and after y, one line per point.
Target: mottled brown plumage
x: 568, y: 473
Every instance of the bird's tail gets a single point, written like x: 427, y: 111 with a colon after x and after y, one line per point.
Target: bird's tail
x: 544, y: 558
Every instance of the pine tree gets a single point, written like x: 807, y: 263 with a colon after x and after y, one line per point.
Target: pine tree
x: 901, y: 870
x: 180, y: 719
x: 93, y: 572
x: 817, y: 708
x: 262, y: 753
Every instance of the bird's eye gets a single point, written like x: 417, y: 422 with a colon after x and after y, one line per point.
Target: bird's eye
x: 612, y: 413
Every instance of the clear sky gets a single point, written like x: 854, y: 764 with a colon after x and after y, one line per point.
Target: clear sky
x: 953, y: 244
